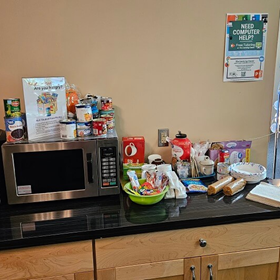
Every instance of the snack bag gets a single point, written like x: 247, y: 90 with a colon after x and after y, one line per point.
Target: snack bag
x: 133, y: 180
x: 194, y: 186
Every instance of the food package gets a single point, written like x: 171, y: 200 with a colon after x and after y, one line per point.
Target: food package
x: 239, y: 151
x: 194, y: 186
x: 218, y: 186
x: 234, y: 187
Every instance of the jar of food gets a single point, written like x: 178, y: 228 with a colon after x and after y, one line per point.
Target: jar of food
x: 222, y: 170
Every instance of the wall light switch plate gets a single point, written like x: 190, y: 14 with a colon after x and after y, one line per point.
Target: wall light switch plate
x: 162, y: 134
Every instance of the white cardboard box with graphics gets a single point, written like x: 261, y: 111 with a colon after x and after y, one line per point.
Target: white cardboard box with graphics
x: 45, y: 105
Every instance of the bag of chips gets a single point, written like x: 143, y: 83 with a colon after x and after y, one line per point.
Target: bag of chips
x: 194, y: 186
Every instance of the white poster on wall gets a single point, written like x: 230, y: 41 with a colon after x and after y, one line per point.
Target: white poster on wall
x: 45, y: 106
x: 245, y: 44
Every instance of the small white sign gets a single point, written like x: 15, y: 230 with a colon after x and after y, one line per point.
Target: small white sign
x: 24, y: 190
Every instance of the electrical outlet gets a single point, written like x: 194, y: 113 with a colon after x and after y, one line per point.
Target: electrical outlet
x: 162, y: 134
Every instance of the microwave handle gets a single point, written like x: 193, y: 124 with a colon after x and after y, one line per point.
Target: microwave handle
x: 89, y: 167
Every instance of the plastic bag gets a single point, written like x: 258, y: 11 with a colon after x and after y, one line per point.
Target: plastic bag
x: 72, y: 98
x: 194, y: 186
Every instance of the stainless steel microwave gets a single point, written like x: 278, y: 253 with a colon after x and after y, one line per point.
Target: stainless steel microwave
x: 61, y: 169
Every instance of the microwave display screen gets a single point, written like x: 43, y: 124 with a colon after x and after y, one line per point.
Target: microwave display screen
x: 51, y: 171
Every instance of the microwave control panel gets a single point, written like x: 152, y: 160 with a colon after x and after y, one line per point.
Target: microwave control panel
x: 108, y: 157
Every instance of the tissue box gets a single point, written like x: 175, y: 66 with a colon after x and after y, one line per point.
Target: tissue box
x: 238, y: 150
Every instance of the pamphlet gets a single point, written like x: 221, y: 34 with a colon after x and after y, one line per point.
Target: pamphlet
x: 45, y: 105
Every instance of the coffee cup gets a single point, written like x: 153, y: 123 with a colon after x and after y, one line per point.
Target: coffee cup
x: 206, y: 166
x: 158, y: 161
x: 130, y: 150
x: 152, y: 157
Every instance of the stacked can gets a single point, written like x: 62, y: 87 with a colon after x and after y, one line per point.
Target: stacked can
x: 68, y: 129
x: 222, y: 170
x: 107, y: 112
x: 92, y: 101
x: 99, y: 127
x: 13, y: 120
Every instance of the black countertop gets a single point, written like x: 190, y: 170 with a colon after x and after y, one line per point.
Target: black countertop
x: 93, y: 218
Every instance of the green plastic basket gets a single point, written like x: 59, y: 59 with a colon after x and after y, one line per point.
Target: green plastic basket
x: 145, y: 199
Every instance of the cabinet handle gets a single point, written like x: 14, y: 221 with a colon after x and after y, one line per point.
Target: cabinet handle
x: 210, y: 271
x: 193, y: 272
x: 202, y: 242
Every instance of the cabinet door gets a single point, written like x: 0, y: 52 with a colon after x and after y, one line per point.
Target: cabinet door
x: 246, y: 265
x: 192, y: 268
x: 50, y: 262
x: 166, y: 270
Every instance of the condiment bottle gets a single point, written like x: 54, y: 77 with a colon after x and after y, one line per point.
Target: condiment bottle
x: 181, y: 146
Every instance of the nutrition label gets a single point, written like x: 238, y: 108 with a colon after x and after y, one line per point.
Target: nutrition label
x: 108, y: 166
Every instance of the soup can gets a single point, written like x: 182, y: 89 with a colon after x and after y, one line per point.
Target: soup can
x: 109, y: 116
x: 83, y: 112
x: 223, y: 168
x: 84, y: 129
x: 68, y: 129
x: 106, y: 103
x: 14, y: 129
x: 99, y: 127
x: 12, y: 107
x: 223, y: 156
x: 221, y: 176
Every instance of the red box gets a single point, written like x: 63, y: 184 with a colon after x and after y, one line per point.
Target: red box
x: 133, y: 149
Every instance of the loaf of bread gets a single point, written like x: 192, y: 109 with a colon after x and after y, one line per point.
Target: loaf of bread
x: 218, y: 186
x: 234, y: 187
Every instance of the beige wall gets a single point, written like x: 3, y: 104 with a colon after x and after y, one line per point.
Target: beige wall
x: 160, y: 60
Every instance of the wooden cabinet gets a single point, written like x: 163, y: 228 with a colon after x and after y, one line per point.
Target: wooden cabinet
x: 260, y: 264
x: 245, y: 251
x: 69, y: 261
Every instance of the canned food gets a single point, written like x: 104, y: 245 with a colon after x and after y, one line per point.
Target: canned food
x: 106, y: 103
x: 84, y: 129
x: 14, y: 129
x: 12, y: 107
x: 68, y: 129
x: 221, y: 176
x: 83, y: 112
x: 222, y: 168
x: 109, y: 116
x: 95, y: 112
x: 223, y: 156
x: 99, y: 127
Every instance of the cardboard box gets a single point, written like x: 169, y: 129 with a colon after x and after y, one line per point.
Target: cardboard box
x: 133, y: 154
x: 137, y: 167
x: 238, y: 150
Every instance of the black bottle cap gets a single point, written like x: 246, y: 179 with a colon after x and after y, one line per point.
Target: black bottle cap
x: 181, y: 135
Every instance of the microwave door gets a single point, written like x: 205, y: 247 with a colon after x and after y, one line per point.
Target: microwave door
x: 52, y: 172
